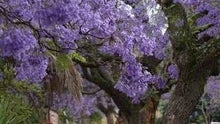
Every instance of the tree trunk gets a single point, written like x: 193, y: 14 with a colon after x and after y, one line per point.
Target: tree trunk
x: 110, y: 118
x: 150, y: 111
x: 194, y: 65
x: 183, y: 101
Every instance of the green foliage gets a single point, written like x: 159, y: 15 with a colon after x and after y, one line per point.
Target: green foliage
x: 78, y: 57
x: 62, y: 62
x: 163, y: 106
x: 13, y: 110
x: 96, y: 117
x: 64, y: 117
x: 14, y: 106
x: 19, y: 86
x: 196, y: 29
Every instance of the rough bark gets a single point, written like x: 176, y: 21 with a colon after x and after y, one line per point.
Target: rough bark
x: 150, y: 111
x: 184, y: 99
x: 110, y: 118
x: 194, y: 66
x: 188, y: 91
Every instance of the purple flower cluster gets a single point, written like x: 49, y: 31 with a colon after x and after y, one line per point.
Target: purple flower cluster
x: 127, y: 31
x: 66, y: 38
x: 31, y: 68
x: 16, y: 43
x: 76, y: 109
x: 129, y: 34
x: 187, y: 2
x: 159, y: 82
x: 211, y: 17
x: 133, y: 81
x: 21, y: 44
x: 173, y: 71
x: 21, y: 8
x: 136, y: 36
x: 212, y: 90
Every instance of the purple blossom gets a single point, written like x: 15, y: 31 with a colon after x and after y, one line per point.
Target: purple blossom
x: 127, y: 31
x: 173, y: 71
x: 22, y: 8
x: 133, y: 81
x: 159, y: 81
x: 187, y: 2
x: 31, y: 69
x: 131, y: 41
x: 212, y: 90
x: 16, y: 43
x: 211, y: 18
x: 66, y: 38
x: 77, y: 109
x: 52, y: 15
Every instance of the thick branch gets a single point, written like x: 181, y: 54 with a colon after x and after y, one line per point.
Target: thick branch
x: 121, y: 100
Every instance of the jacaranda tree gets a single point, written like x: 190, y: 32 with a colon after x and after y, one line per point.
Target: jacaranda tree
x: 133, y: 50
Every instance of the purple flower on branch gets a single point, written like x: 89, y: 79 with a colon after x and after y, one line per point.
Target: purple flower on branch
x: 173, y: 71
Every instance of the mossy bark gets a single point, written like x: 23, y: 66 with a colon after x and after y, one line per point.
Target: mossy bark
x: 194, y: 65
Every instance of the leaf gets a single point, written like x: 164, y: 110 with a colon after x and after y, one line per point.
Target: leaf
x: 201, y: 28
x: 62, y: 62
x: 13, y: 110
x: 78, y: 57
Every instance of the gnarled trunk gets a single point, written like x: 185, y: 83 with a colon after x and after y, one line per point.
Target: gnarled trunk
x: 183, y: 101
x: 194, y: 64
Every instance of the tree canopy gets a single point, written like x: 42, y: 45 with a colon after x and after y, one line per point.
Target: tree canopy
x: 126, y: 53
